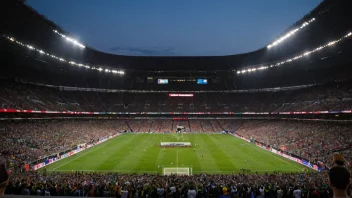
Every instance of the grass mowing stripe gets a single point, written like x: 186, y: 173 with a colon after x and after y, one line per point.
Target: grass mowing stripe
x: 282, y: 159
x: 98, y: 158
x: 64, y: 161
x: 149, y: 155
x: 231, y: 150
x: 207, y: 162
x: 217, y: 154
x: 139, y: 157
x: 128, y: 156
x: 291, y: 163
x: 114, y: 155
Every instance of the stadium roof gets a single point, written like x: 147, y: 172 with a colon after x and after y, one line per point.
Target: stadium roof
x: 331, y: 21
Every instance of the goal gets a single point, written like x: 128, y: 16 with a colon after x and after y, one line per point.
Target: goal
x: 177, y: 171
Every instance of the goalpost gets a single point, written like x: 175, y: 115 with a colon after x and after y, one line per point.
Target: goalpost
x: 177, y: 171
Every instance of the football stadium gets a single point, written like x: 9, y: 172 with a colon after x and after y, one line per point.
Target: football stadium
x: 275, y: 122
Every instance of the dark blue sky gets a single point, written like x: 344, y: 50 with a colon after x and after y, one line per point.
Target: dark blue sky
x: 176, y: 28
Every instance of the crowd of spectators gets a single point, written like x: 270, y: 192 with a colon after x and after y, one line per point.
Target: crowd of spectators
x: 24, y: 142
x: 27, y: 141
x: 195, y: 126
x: 337, y: 96
x: 311, y: 140
x: 216, y: 126
x: 241, y: 185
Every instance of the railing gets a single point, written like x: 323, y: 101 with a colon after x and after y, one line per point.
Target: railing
x: 173, y: 113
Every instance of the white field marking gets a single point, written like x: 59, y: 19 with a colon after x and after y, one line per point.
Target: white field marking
x: 71, y: 160
x: 273, y: 155
x: 177, y: 159
x: 79, y: 152
x: 83, y: 154
x: 269, y: 153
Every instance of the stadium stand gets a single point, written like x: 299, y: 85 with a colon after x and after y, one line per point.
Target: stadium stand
x: 146, y: 185
x: 272, y: 97
x: 333, y: 96
x: 312, y: 140
x: 29, y: 141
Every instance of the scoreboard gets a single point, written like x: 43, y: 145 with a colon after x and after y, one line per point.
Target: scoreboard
x: 201, y: 81
x: 165, y: 81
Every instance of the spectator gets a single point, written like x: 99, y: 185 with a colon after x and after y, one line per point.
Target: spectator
x: 339, y: 180
x: 297, y: 193
x: 191, y: 193
x: 280, y: 193
x: 3, y: 179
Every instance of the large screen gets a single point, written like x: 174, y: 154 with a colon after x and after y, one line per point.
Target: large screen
x: 163, y: 81
x: 202, y: 81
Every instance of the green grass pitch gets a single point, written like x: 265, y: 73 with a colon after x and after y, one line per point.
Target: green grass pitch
x: 141, y: 153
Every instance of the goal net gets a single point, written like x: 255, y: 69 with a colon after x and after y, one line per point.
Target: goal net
x: 177, y: 171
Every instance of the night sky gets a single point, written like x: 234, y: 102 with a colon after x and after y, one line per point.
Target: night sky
x: 175, y: 27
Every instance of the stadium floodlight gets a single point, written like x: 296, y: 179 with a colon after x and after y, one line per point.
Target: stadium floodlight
x: 238, y: 72
x: 30, y: 47
x: 289, y: 34
x: 301, y: 55
x: 75, y: 42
